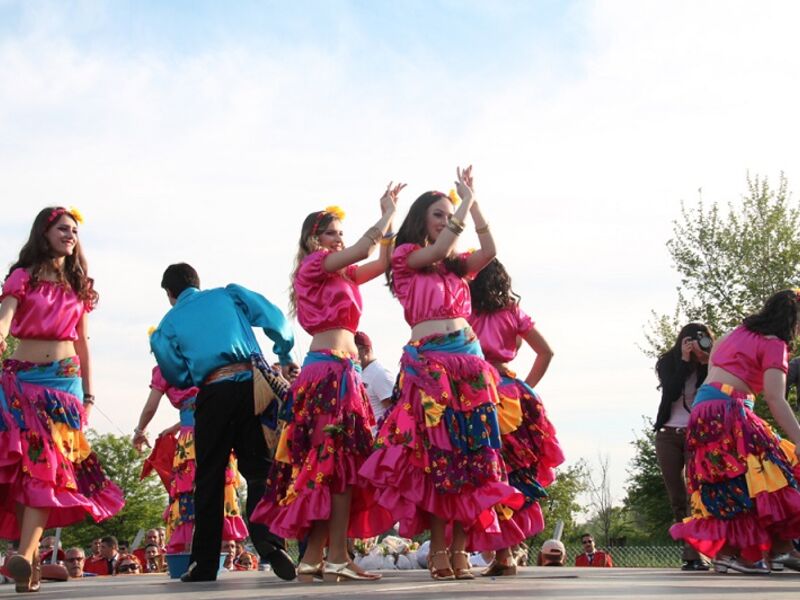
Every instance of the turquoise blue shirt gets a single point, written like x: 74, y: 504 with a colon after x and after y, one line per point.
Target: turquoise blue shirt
x: 208, y: 329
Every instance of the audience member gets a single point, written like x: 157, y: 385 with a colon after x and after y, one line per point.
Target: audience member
x: 591, y: 557
x: 74, y: 561
x: 151, y: 536
x: 128, y: 564
x: 123, y: 547
x: 109, y: 557
x: 378, y: 382
x: 154, y: 559
x: 46, y: 550
x: 229, y: 550
x: 552, y: 554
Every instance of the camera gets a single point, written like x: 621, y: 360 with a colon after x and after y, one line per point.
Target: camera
x: 704, y: 341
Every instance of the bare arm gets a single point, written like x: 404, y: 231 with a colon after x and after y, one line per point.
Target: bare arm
x: 374, y: 268
x: 446, y: 241
x: 336, y: 261
x: 484, y: 255
x: 543, y: 356
x: 148, y: 412
x: 774, y: 386
x: 7, y: 310
x: 82, y: 350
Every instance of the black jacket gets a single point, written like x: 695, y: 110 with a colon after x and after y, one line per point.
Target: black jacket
x: 673, y: 378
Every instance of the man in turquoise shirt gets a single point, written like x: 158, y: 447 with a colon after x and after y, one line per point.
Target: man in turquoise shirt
x: 206, y: 340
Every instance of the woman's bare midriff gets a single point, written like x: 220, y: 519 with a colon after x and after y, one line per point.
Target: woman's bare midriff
x: 719, y: 375
x: 43, y: 351
x: 437, y: 327
x: 334, y: 339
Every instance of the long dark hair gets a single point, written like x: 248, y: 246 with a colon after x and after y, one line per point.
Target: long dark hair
x: 778, y: 317
x: 668, y: 362
x: 491, y: 289
x: 414, y: 230
x: 37, y: 257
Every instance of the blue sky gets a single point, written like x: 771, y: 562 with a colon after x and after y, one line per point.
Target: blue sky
x: 205, y: 132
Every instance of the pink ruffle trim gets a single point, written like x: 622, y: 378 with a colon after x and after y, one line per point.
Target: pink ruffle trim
x: 777, y: 514
x: 525, y: 524
x: 408, y: 494
x: 233, y: 528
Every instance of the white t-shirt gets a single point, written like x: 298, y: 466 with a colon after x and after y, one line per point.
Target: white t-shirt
x: 379, y: 384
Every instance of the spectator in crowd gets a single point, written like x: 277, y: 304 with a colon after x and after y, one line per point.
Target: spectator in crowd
x: 46, y: 547
x: 95, y: 548
x: 74, y: 561
x: 793, y: 379
x: 229, y: 550
x: 591, y: 557
x: 128, y: 564
x: 123, y: 547
x: 681, y: 370
x: 109, y: 557
x: 378, y: 382
x: 151, y: 536
x: 154, y: 559
x: 245, y: 561
x: 552, y: 554
x: 162, y: 538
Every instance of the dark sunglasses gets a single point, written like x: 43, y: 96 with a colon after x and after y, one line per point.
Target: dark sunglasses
x: 587, y: 541
x: 128, y: 568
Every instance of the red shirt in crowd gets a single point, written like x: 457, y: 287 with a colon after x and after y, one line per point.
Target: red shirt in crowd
x: 598, y: 559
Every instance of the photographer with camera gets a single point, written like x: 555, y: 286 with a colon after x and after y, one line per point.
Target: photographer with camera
x: 681, y: 370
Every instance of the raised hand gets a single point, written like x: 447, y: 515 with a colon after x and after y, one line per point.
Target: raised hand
x: 464, y: 183
x: 389, y: 198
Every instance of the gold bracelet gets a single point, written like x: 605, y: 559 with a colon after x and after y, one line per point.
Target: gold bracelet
x: 455, y: 228
x: 482, y: 230
x: 373, y: 234
x: 458, y: 222
x: 387, y: 239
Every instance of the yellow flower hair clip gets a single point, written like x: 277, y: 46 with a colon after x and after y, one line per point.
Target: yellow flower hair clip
x: 76, y: 214
x: 336, y: 211
x: 454, y: 199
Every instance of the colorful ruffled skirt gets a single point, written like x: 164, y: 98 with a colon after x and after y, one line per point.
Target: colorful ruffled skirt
x: 179, y: 515
x: 531, y: 453
x: 45, y: 460
x: 438, y: 450
x: 742, y: 477
x: 324, y: 443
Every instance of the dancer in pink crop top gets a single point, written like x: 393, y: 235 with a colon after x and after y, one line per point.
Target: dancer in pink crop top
x: 46, y: 465
x: 313, y: 490
x: 426, y: 472
x: 530, y: 448
x: 743, y: 477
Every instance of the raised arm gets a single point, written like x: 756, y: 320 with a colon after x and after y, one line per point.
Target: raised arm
x: 82, y: 350
x: 544, y: 355
x: 372, y: 269
x: 774, y: 386
x: 446, y: 240
x: 260, y: 312
x: 350, y: 255
x: 484, y: 255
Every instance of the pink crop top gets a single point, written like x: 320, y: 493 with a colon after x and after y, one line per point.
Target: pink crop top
x: 497, y: 332
x: 48, y: 311
x: 429, y: 294
x: 747, y: 355
x: 176, y: 396
x: 326, y: 300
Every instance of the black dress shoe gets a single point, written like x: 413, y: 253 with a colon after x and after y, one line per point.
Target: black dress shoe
x: 194, y: 575
x: 281, y: 564
x: 695, y: 565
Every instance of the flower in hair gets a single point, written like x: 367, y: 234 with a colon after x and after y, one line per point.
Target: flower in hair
x: 336, y: 211
x: 150, y: 330
x: 75, y: 214
x: 453, y: 197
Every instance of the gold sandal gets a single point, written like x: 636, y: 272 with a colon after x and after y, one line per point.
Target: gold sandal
x: 498, y: 569
x: 21, y: 571
x: 444, y: 574
x: 336, y: 572
x: 462, y: 572
x: 307, y: 573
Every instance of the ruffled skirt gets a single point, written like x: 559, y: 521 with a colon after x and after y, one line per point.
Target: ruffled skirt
x: 179, y: 515
x: 45, y: 460
x: 323, y: 445
x: 742, y: 478
x: 438, y: 450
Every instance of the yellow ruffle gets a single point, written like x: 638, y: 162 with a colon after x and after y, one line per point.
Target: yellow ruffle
x: 504, y: 513
x: 788, y: 449
x: 433, y: 410
x: 697, y: 507
x: 70, y: 442
x: 763, y: 476
x: 509, y: 414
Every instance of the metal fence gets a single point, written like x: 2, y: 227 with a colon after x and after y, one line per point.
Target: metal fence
x: 628, y: 556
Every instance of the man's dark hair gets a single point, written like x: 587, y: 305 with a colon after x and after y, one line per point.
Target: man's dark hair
x: 152, y: 546
x: 109, y: 540
x: 587, y: 535
x: 178, y: 277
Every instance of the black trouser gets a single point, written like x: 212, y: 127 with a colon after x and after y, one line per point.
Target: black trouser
x: 672, y: 456
x: 224, y: 421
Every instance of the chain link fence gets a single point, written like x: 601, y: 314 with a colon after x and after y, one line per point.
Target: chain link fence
x: 626, y: 556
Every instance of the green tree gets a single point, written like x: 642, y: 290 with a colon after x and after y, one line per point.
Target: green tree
x: 562, y: 502
x: 145, y: 500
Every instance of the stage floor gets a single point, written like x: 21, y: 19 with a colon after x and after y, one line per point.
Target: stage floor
x: 532, y: 582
